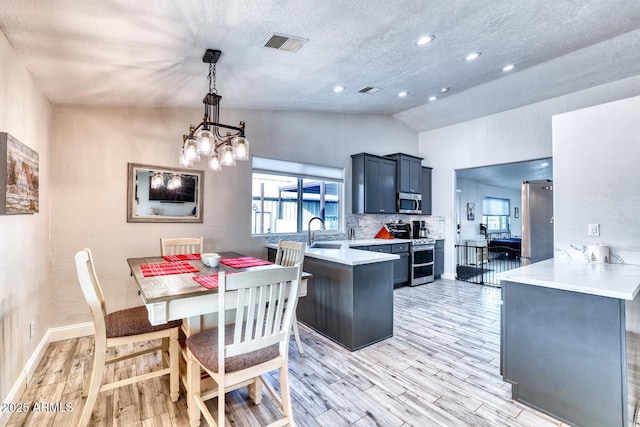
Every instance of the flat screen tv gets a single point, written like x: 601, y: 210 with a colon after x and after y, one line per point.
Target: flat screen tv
x: 186, y: 193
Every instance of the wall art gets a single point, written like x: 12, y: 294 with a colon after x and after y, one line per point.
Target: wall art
x: 19, y: 177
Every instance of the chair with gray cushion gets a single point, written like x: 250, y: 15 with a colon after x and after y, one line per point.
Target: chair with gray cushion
x: 255, y: 343
x: 121, y: 328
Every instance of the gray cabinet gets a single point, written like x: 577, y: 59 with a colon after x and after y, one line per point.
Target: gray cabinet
x: 408, y: 173
x: 571, y: 355
x: 438, y: 259
x: 426, y: 190
x: 351, y: 305
x: 400, y: 266
x: 373, y: 184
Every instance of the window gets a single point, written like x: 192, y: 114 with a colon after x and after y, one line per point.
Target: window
x: 286, y: 195
x: 495, y: 214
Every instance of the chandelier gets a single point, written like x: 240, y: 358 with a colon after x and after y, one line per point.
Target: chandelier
x: 221, y: 144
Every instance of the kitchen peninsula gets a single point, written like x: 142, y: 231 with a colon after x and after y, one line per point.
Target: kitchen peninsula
x: 350, y: 298
x: 570, y: 340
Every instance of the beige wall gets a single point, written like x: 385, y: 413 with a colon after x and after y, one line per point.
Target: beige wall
x: 24, y: 239
x: 90, y: 150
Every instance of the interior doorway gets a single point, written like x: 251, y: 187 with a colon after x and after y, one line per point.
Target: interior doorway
x: 488, y: 215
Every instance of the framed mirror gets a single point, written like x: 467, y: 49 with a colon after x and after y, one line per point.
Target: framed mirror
x: 164, y: 194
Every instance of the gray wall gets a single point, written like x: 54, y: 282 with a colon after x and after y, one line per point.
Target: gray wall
x: 512, y: 136
x: 474, y: 192
x: 596, y: 152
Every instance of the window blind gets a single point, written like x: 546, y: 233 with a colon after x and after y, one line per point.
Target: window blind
x: 495, y: 206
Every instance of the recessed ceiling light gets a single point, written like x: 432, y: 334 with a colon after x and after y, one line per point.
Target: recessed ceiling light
x: 444, y: 89
x: 508, y: 68
x: 339, y: 89
x: 432, y: 98
x: 425, y: 39
x: 472, y: 56
x: 403, y: 94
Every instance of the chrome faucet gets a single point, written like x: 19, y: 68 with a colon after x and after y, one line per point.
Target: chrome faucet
x: 309, y: 228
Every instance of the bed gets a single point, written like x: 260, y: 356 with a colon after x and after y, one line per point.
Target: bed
x: 503, y: 243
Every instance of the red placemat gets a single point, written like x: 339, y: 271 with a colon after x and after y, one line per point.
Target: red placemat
x: 244, y: 262
x: 181, y: 257
x: 166, y: 268
x: 210, y: 281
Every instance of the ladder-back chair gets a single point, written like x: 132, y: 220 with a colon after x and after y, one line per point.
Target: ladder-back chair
x: 121, y: 328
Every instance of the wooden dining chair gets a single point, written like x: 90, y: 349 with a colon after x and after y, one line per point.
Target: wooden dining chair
x: 122, y: 327
x: 255, y: 343
x: 181, y: 245
x: 288, y: 254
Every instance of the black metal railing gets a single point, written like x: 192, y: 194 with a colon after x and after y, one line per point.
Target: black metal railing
x: 479, y: 264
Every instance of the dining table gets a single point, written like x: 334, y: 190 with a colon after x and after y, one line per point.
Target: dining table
x: 171, y: 294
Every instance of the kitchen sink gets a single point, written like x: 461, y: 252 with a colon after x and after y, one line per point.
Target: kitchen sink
x: 325, y: 245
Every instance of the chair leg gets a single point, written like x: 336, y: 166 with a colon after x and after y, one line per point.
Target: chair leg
x: 93, y: 385
x: 296, y: 334
x: 287, y: 408
x: 221, y: 399
x: 174, y: 361
x: 255, y: 390
x: 193, y: 380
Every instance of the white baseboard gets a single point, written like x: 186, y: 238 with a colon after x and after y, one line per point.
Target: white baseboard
x: 71, y: 331
x: 52, y: 335
x: 450, y: 276
x: 25, y: 377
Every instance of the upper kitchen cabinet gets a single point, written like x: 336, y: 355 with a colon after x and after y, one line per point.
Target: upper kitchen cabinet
x: 426, y: 190
x: 373, y: 184
x: 408, y: 173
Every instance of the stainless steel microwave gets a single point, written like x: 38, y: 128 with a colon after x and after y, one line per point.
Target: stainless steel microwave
x: 409, y: 203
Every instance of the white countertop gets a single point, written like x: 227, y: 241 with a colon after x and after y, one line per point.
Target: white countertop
x: 620, y: 281
x: 348, y: 256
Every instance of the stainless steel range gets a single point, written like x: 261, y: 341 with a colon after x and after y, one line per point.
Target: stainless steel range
x: 421, y: 261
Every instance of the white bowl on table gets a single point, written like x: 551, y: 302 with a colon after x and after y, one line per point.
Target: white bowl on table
x: 210, y: 259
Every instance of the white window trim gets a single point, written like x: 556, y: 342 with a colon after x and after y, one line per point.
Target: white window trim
x: 306, y: 171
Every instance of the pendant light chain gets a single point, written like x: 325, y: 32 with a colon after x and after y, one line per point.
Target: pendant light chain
x: 212, y: 79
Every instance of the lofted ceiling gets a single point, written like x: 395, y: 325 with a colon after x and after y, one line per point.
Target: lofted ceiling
x: 148, y: 52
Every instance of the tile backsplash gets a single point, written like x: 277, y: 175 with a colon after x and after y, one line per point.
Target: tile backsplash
x: 366, y: 226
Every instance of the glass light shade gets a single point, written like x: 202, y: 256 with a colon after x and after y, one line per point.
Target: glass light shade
x: 227, y: 156
x: 157, y: 181
x: 205, y: 139
x: 183, y: 161
x: 240, y: 148
x: 214, y: 162
x: 191, y: 150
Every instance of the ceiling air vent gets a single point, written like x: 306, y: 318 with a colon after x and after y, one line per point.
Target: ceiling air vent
x: 282, y: 42
x: 369, y: 89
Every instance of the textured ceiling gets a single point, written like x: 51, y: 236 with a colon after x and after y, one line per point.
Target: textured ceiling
x: 148, y: 52
x: 509, y: 175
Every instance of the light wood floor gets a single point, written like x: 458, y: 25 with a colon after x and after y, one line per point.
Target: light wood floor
x: 441, y: 368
